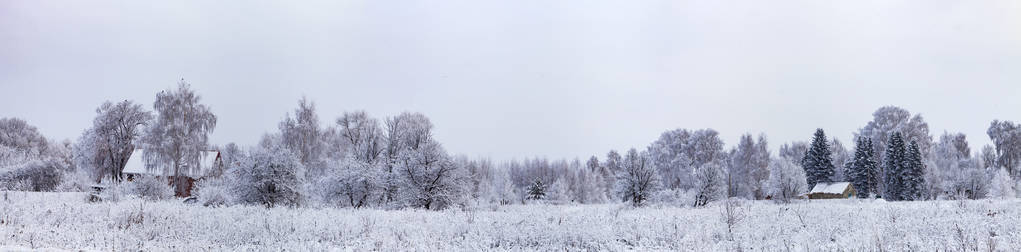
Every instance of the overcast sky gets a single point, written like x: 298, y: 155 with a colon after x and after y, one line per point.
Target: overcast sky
x: 513, y: 79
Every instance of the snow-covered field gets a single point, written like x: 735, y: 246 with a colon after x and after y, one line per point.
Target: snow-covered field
x: 66, y: 221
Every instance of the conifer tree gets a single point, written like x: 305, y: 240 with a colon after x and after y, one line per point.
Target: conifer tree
x: 894, y: 167
x: 537, y: 190
x: 913, y: 175
x: 861, y: 171
x: 818, y: 162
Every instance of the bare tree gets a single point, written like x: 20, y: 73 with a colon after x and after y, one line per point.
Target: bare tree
x: 302, y: 134
x: 363, y: 135
x: 638, y: 178
x: 175, y: 141
x: 113, y: 134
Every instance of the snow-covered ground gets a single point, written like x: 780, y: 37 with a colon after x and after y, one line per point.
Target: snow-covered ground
x: 66, y: 221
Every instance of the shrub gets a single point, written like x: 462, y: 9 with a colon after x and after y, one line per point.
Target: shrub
x: 213, y: 192
x: 40, y: 176
x: 151, y: 188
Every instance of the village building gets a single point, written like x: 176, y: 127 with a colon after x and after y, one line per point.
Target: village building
x: 834, y: 190
x: 210, y: 165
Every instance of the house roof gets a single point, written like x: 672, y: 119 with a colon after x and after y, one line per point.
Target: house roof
x: 136, y: 165
x: 834, y: 188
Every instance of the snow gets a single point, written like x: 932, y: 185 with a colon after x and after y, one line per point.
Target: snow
x: 833, y: 188
x: 136, y: 163
x: 66, y: 221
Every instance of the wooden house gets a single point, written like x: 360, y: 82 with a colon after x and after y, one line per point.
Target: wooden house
x: 834, y: 190
x: 210, y: 165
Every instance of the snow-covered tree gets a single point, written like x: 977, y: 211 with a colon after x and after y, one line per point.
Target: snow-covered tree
x: 709, y: 183
x: 303, y: 135
x: 889, y: 120
x: 913, y: 176
x: 841, y: 157
x: 425, y: 175
x: 749, y: 168
x: 560, y: 192
x: 589, y: 187
x: 638, y: 179
x: 818, y: 161
x: 678, y: 152
x: 863, y: 171
x: 950, y: 165
x: 18, y: 135
x: 504, y: 192
x: 350, y: 183
x: 175, y: 141
x: 112, y: 137
x: 894, y: 167
x: 537, y: 190
x: 786, y: 180
x: 1002, y: 186
x: 1006, y: 138
x: 363, y: 135
x: 612, y: 168
x: 269, y: 177
x: 794, y: 151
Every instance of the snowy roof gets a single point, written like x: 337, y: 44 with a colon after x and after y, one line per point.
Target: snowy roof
x: 136, y: 165
x: 834, y: 188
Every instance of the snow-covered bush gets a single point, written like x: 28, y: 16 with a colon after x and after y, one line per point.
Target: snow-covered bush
x: 269, y: 177
x: 674, y: 197
x: 213, y: 192
x: 76, y: 181
x: 151, y: 188
x: 786, y: 180
x: 1001, y: 187
x: 34, y: 175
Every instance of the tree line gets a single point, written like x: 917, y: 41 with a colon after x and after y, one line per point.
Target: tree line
x: 356, y: 160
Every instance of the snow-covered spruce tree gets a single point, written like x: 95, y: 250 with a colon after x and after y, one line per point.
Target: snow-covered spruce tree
x: 889, y: 120
x: 863, y: 172
x: 638, y: 179
x: 818, y: 161
x: 709, y: 184
x: 111, y: 139
x: 270, y: 177
x: 895, y: 159
x: 786, y: 180
x: 537, y: 190
x: 913, y: 175
x: 175, y: 141
x: 1002, y: 186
